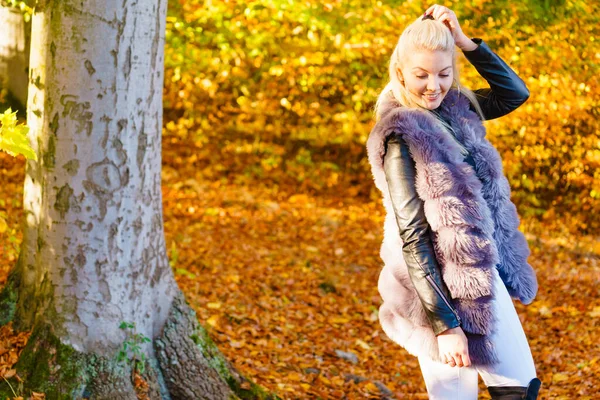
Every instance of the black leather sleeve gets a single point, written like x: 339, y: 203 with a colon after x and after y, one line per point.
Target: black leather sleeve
x: 415, y: 232
x: 506, y: 92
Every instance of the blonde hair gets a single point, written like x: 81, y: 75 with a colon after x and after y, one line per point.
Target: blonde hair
x: 429, y: 35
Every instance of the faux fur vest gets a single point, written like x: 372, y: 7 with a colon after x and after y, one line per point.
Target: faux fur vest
x: 473, y: 221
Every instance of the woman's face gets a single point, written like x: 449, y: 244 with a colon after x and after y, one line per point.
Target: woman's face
x: 428, y: 76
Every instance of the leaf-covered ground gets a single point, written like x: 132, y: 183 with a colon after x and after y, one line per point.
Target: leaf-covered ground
x: 285, y: 280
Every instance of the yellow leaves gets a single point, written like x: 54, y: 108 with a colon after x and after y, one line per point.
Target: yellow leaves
x: 252, y: 91
x: 243, y: 101
x: 276, y: 70
x: 559, y: 377
x: 3, y: 225
x: 371, y: 387
x: 545, y: 312
x: 285, y: 103
x: 595, y: 313
x: 13, y: 136
x: 547, y: 81
x: 295, y: 377
x: 237, y: 344
x: 339, y: 320
x: 299, y: 199
x: 313, y: 37
x: 363, y: 345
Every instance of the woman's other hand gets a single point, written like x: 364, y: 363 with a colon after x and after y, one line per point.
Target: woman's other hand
x: 453, y: 347
x: 447, y: 16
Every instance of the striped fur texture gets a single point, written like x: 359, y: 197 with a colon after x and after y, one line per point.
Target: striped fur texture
x: 474, y: 225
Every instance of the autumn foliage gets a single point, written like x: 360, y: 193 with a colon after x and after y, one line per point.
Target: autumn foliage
x: 274, y: 225
x: 287, y: 88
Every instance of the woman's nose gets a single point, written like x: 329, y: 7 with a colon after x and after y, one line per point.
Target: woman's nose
x: 433, y: 84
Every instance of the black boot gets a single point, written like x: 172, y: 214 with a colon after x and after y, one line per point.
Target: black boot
x: 516, y: 392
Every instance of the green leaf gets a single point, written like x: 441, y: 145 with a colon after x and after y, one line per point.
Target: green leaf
x: 185, y: 272
x: 122, y: 356
x: 13, y: 137
x: 126, y: 325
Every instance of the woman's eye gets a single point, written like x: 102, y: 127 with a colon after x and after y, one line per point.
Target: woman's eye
x: 444, y: 76
x: 421, y: 76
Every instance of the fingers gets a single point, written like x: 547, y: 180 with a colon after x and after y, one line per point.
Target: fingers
x: 439, y: 10
x: 445, y: 16
x: 457, y: 359
x: 435, y: 10
x: 440, y: 13
x: 453, y: 348
x: 448, y: 359
x: 466, y: 359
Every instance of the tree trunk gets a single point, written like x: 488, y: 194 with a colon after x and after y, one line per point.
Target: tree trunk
x: 93, y: 255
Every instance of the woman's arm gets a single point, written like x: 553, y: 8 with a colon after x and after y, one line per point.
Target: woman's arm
x: 506, y: 92
x: 415, y: 232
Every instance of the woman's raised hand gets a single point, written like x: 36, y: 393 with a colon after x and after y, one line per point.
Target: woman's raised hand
x: 447, y: 16
x: 453, y: 347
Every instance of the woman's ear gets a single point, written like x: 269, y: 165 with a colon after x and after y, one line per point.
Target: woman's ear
x: 399, y: 75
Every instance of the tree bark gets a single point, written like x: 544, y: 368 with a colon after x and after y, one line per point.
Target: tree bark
x: 93, y: 254
x: 93, y: 239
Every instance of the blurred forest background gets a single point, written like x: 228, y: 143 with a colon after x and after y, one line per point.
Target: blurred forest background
x: 271, y: 215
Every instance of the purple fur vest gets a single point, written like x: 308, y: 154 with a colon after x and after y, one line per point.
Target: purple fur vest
x: 474, y: 227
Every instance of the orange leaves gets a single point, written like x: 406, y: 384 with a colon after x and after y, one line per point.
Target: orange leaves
x: 11, y: 345
x: 267, y: 282
x: 12, y: 173
x: 141, y: 387
x: 302, y: 288
x: 292, y: 310
x: 272, y: 222
x: 9, y: 373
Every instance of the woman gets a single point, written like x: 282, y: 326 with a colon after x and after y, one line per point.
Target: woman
x: 452, y: 250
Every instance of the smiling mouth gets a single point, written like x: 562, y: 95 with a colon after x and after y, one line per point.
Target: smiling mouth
x: 431, y: 97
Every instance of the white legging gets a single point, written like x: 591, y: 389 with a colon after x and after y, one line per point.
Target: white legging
x: 515, y: 367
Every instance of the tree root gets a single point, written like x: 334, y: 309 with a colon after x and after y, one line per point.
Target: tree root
x: 193, y: 366
x: 188, y: 365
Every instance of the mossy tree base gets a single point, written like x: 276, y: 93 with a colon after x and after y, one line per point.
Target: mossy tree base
x: 193, y: 366
x: 188, y: 365
x: 8, y: 297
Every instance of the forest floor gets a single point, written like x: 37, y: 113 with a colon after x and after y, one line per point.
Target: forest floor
x: 286, y: 284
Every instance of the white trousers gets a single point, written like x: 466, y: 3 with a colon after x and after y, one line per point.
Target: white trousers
x: 515, y: 367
